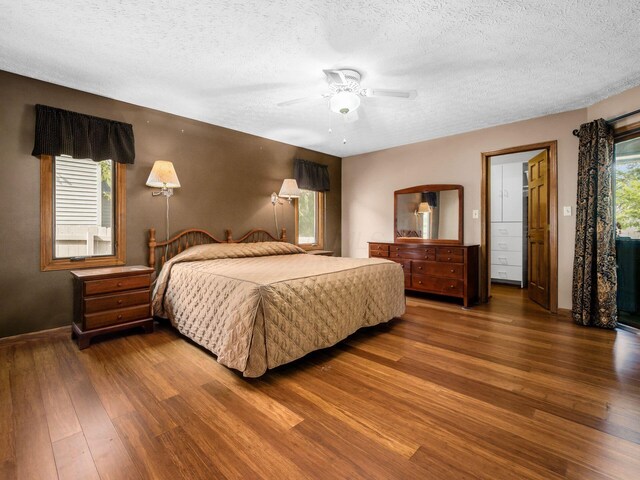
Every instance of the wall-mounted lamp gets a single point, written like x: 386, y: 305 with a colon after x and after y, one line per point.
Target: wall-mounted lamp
x: 288, y: 190
x: 423, y: 207
x: 163, y: 176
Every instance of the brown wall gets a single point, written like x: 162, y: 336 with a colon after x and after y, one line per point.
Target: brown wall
x: 227, y: 178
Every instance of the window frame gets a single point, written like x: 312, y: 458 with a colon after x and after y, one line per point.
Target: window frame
x: 320, y: 223
x: 47, y: 260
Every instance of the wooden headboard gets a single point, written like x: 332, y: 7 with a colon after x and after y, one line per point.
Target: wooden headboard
x: 189, y: 238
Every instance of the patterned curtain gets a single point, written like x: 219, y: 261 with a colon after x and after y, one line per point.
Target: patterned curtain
x: 594, y: 265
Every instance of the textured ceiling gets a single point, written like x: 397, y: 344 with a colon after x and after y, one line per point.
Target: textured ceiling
x: 473, y: 63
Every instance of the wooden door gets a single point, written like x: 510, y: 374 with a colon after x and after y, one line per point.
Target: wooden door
x: 538, y: 240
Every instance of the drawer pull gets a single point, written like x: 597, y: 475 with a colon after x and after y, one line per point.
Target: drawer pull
x: 420, y: 282
x: 452, y: 286
x: 448, y: 259
x: 119, y: 284
x: 452, y: 270
x: 120, y: 317
x: 448, y: 251
x: 120, y: 301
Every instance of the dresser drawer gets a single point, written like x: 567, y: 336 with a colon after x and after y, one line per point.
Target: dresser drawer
x: 417, y: 253
x: 406, y: 264
x: 449, y: 251
x: 378, y: 253
x: 506, y: 272
x: 437, y: 269
x: 506, y: 244
x: 111, y: 302
x: 506, y: 258
x: 511, y: 229
x: 448, y: 286
x: 115, y: 317
x: 109, y: 285
x: 456, y: 255
x: 378, y: 247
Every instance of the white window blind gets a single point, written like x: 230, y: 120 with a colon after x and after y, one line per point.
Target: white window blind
x: 77, y: 192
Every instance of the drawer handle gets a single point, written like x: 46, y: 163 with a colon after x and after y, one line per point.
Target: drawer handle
x: 120, y: 301
x: 448, y: 251
x: 420, y: 282
x: 448, y: 259
x: 452, y: 270
x: 419, y: 268
x: 119, y: 284
x: 452, y: 286
x: 120, y: 317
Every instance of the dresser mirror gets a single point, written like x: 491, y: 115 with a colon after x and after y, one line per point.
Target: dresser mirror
x: 429, y: 214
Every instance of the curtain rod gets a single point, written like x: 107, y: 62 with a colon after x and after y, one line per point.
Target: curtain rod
x: 615, y: 119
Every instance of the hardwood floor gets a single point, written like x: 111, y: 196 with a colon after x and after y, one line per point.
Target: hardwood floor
x: 503, y: 390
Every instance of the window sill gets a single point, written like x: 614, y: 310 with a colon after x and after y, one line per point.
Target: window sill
x: 66, y: 264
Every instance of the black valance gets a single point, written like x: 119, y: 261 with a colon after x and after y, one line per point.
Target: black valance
x: 311, y: 176
x: 61, y: 132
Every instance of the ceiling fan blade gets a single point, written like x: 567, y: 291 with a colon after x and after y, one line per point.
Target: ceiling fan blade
x: 381, y: 92
x: 301, y: 100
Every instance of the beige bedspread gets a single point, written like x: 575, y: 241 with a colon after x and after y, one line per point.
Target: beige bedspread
x: 260, y: 305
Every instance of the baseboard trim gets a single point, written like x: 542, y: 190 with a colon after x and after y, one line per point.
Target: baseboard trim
x: 25, y: 337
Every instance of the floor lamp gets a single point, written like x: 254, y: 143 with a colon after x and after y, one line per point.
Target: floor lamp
x: 163, y: 176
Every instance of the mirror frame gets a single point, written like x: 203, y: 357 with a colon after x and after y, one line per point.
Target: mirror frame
x: 429, y: 188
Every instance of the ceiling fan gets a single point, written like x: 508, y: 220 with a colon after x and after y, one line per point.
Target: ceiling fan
x: 345, y: 93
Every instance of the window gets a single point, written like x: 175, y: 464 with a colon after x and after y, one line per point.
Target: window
x: 627, y: 216
x: 82, y: 211
x: 627, y: 188
x: 310, y: 220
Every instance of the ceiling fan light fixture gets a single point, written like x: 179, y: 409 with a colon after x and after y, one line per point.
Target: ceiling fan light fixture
x: 344, y: 102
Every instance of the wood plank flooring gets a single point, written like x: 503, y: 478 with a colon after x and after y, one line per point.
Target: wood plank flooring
x: 503, y: 390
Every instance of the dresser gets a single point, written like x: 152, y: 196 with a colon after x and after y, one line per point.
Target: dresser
x: 110, y: 299
x: 440, y: 269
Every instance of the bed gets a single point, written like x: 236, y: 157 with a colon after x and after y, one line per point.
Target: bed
x: 259, y: 302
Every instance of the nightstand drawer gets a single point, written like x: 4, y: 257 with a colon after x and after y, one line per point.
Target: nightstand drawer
x: 115, y: 317
x: 111, y: 302
x: 93, y: 287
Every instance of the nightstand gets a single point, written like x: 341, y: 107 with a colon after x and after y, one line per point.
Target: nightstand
x: 326, y: 253
x: 110, y: 299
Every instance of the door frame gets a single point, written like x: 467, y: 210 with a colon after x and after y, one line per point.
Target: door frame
x: 485, y: 215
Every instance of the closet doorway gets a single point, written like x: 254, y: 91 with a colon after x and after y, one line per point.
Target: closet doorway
x: 519, y: 222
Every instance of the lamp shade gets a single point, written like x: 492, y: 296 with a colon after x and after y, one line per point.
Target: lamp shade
x: 344, y: 102
x: 163, y: 175
x: 424, y: 207
x: 289, y: 189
